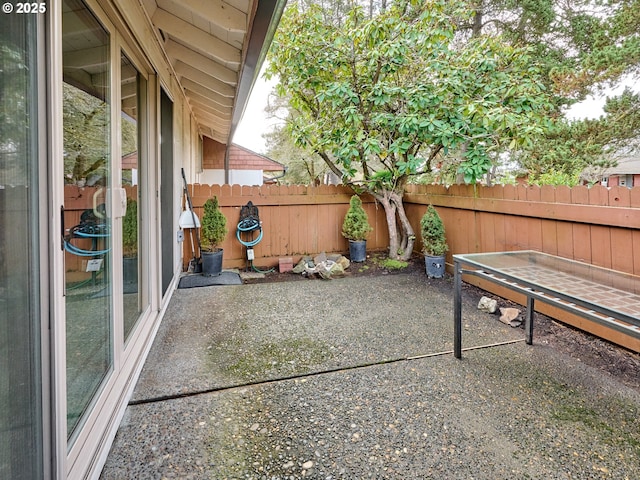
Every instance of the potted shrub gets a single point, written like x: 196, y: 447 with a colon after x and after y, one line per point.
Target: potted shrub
x: 130, y: 247
x: 213, y: 229
x: 356, y: 228
x: 434, y: 243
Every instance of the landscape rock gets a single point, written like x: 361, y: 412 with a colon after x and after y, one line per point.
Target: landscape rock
x: 320, y: 258
x: 300, y: 267
x: 488, y: 305
x: 324, y: 266
x: 509, y: 316
x: 343, y: 262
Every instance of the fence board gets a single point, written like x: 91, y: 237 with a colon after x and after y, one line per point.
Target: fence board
x: 564, y: 239
x: 487, y: 232
x: 521, y: 191
x: 534, y: 230
x: 581, y: 243
x: 548, y: 194
x: 520, y: 233
x: 620, y: 196
x: 621, y: 248
x: 580, y: 195
x: 598, y: 195
x: 634, y: 262
x: 500, y: 232
x: 533, y: 193
x: 601, y: 246
x: 509, y: 192
x: 549, y: 237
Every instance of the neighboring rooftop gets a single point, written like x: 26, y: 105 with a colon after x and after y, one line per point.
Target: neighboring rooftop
x: 241, y: 158
x: 626, y: 166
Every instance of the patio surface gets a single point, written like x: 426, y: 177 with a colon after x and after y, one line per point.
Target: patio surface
x: 315, y: 379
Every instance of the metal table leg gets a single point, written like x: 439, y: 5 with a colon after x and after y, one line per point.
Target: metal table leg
x: 528, y: 320
x: 457, y: 310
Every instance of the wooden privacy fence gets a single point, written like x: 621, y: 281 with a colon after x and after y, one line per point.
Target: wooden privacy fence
x: 596, y: 225
x: 296, y: 221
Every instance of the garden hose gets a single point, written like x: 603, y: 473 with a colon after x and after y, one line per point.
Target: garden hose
x: 250, y: 224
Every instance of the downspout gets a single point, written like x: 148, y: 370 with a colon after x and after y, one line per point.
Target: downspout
x: 284, y: 172
x: 226, y: 164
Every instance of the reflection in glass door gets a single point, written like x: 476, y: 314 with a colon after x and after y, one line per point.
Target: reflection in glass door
x: 131, y: 83
x: 21, y: 437
x: 87, y: 226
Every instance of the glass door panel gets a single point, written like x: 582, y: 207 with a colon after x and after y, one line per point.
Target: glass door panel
x: 21, y: 437
x: 166, y: 189
x: 130, y: 87
x: 87, y: 225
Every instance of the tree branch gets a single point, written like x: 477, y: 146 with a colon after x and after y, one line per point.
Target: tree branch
x: 332, y: 166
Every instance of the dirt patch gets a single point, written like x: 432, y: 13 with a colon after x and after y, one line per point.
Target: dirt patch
x: 589, y: 349
x: 375, y: 264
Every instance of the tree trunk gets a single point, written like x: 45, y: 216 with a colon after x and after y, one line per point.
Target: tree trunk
x: 401, y: 235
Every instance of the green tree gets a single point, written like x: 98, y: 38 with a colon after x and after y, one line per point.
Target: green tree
x: 15, y: 121
x: 583, y: 46
x: 580, y: 43
x: 379, y: 100
x: 214, y: 226
x: 434, y: 239
x: 356, y: 225
x: 304, y: 167
x: 86, y: 142
x: 573, y: 148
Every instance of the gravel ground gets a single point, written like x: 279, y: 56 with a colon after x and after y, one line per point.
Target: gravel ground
x: 313, y: 379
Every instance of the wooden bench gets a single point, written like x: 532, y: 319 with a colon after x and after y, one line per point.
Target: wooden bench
x: 605, y: 296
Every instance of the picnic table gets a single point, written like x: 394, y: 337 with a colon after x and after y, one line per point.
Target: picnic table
x: 605, y: 296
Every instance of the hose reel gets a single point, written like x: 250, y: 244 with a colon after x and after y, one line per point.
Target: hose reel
x: 248, y: 225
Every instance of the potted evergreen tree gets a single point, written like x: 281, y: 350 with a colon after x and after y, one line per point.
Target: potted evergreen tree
x: 130, y: 247
x: 213, y: 229
x: 356, y: 228
x: 434, y: 243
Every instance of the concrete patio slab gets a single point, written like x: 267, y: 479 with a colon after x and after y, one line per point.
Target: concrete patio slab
x: 317, y: 379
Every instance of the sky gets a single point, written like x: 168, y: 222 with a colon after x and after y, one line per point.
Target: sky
x: 592, y: 107
x: 254, y: 122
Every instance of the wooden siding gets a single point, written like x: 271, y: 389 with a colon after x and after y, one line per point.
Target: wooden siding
x: 240, y: 158
x: 213, y: 154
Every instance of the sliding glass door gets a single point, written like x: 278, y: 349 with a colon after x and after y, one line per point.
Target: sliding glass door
x: 87, y: 220
x: 132, y: 117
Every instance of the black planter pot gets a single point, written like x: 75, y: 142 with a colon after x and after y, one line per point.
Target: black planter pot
x: 434, y: 266
x: 212, y: 263
x: 357, y: 250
